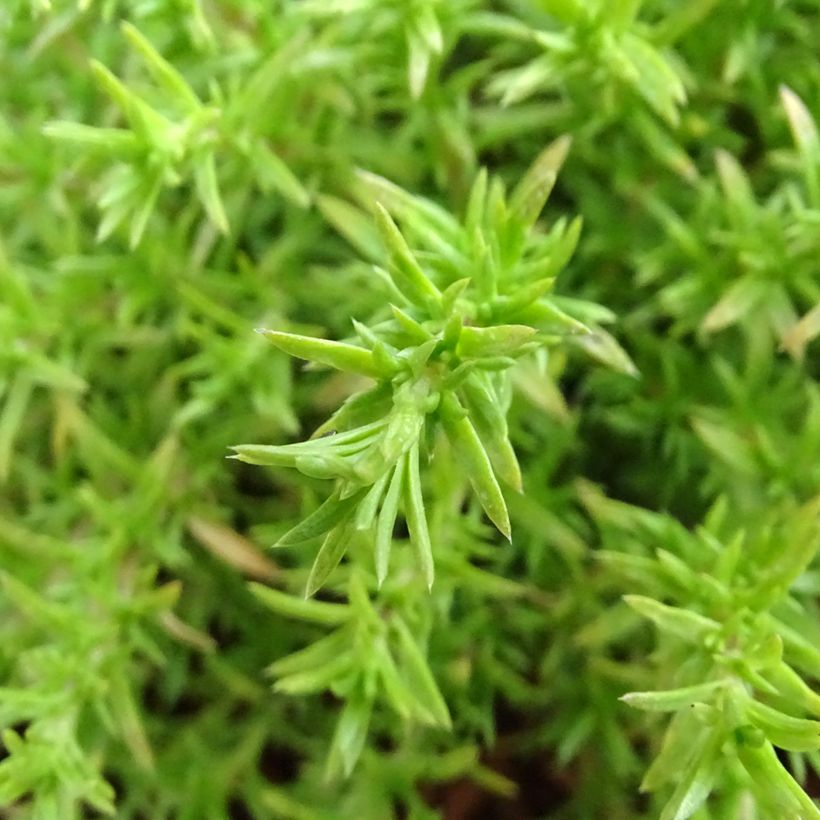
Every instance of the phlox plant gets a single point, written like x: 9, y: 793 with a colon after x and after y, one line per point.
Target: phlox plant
x: 409, y: 409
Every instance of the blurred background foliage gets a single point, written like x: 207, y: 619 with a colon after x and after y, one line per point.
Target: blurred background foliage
x: 175, y: 173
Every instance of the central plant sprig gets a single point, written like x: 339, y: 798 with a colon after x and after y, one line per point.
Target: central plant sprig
x: 465, y: 307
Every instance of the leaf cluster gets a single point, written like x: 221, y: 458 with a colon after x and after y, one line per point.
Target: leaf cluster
x: 551, y: 492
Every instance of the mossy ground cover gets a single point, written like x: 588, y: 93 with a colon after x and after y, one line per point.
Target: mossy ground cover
x: 409, y: 409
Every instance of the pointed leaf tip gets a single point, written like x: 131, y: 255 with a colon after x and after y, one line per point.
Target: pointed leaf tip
x: 339, y: 355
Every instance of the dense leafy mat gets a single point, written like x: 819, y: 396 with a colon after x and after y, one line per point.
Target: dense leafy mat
x: 545, y: 498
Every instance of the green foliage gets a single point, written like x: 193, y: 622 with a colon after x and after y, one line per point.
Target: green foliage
x: 542, y: 501
x: 735, y: 655
x: 441, y: 360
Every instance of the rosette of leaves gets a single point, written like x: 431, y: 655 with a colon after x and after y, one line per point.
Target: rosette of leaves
x: 469, y: 300
x: 179, y: 137
x: 589, y: 42
x: 754, y: 256
x: 608, y: 69
x: 736, y: 652
x: 425, y: 26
